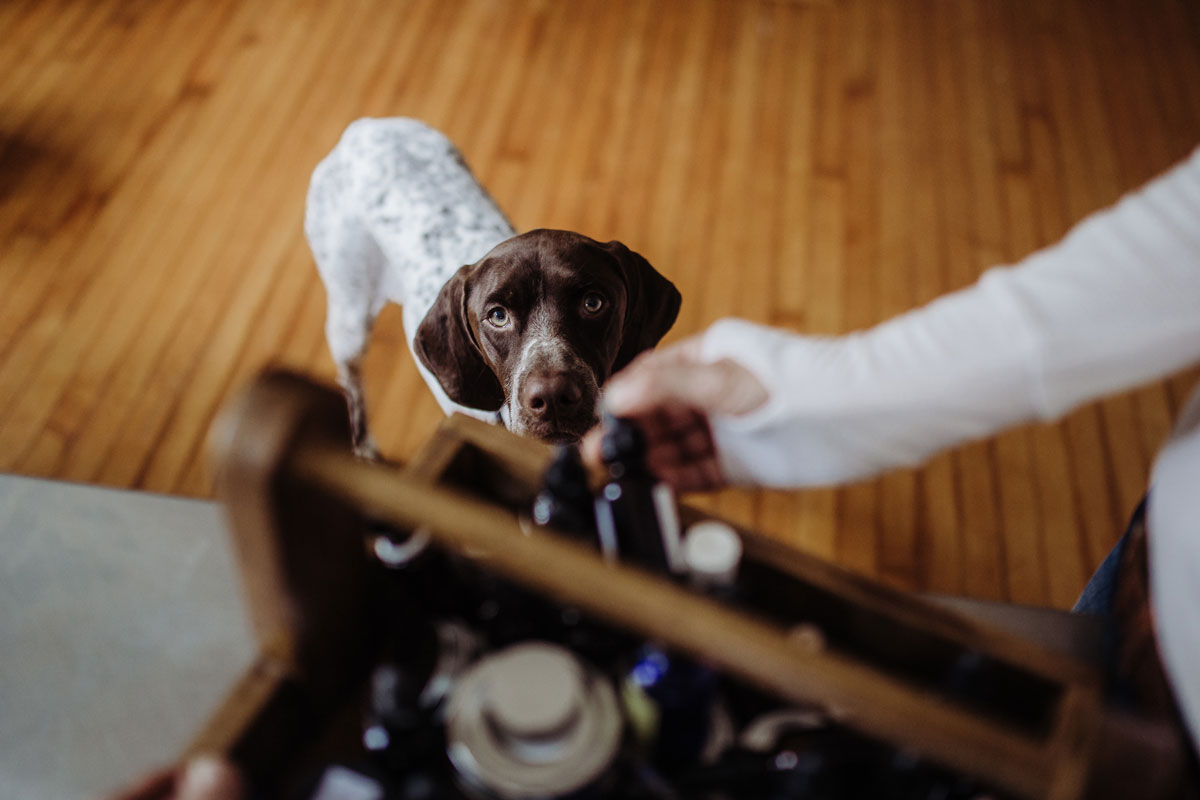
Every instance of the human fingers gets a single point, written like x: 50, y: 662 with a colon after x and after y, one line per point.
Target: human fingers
x: 679, y: 448
x: 660, y: 428
x: 683, y: 453
x: 685, y: 461
x: 698, y: 476
x: 720, y: 387
x: 676, y: 436
x: 684, y: 351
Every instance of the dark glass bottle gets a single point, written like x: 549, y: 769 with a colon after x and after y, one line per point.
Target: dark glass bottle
x: 398, y: 726
x: 636, y: 518
x: 565, y: 501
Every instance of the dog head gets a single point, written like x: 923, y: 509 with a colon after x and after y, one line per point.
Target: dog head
x: 539, y: 323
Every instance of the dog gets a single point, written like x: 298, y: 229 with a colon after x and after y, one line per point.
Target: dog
x: 523, y: 335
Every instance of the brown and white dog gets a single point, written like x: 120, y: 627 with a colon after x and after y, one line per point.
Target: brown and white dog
x: 524, y: 334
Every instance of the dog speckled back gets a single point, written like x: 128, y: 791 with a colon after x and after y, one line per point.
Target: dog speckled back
x: 393, y: 191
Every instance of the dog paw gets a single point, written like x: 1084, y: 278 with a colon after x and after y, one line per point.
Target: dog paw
x: 367, y: 450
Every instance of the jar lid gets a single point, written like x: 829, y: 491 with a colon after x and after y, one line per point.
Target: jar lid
x: 532, y: 721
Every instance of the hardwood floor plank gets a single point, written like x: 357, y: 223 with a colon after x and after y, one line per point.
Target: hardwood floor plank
x: 797, y: 168
x: 48, y: 349
x: 976, y: 501
x: 683, y: 213
x: 1000, y: 181
x: 937, y: 549
x: 897, y: 87
x: 194, y: 411
x: 775, y: 511
x: 110, y: 77
x: 860, y: 525
x: 118, y: 361
x: 32, y: 43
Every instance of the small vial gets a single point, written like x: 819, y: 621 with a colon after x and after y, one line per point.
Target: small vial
x: 712, y: 552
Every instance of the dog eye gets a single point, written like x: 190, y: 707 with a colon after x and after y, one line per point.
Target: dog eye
x: 498, y: 317
x: 592, y: 303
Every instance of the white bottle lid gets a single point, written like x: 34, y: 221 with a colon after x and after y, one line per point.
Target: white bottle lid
x: 712, y: 552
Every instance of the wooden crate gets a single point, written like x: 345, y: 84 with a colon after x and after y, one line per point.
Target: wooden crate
x: 881, y: 662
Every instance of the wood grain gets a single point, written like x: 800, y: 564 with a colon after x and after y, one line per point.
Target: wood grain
x: 816, y: 165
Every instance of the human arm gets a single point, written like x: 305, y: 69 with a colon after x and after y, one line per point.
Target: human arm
x: 1114, y: 304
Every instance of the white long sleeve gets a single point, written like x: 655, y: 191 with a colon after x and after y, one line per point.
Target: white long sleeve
x: 1113, y: 305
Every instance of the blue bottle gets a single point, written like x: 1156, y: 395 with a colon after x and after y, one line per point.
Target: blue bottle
x: 669, y: 701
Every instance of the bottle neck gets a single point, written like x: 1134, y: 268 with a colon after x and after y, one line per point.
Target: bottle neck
x: 623, y: 471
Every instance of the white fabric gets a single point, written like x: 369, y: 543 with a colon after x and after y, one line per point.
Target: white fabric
x: 1115, y: 304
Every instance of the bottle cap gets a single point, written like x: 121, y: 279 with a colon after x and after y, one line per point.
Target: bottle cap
x: 566, y: 475
x: 712, y: 551
x: 622, y: 445
x: 565, y: 501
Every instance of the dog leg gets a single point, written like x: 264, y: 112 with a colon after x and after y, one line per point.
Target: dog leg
x: 350, y: 378
x: 347, y: 330
x: 347, y: 334
x: 350, y: 264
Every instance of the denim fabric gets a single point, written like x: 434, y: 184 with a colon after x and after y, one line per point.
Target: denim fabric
x: 1097, y: 595
x: 1097, y: 598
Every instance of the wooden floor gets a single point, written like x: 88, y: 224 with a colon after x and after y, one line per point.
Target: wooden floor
x: 819, y: 165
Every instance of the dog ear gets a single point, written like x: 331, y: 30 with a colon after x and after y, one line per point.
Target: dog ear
x: 446, y: 346
x: 651, y: 307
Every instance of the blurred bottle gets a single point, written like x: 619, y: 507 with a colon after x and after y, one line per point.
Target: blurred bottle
x: 407, y: 692
x: 636, y: 517
x: 671, y: 704
x: 565, y: 501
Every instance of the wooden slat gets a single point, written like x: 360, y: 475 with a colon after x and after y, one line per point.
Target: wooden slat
x: 820, y: 166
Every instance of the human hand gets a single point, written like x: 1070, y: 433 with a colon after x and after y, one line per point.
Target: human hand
x: 670, y: 394
x: 202, y: 778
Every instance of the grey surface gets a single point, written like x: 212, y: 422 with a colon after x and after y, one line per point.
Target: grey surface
x: 121, y: 627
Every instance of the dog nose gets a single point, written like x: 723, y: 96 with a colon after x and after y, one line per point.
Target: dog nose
x: 548, y: 395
